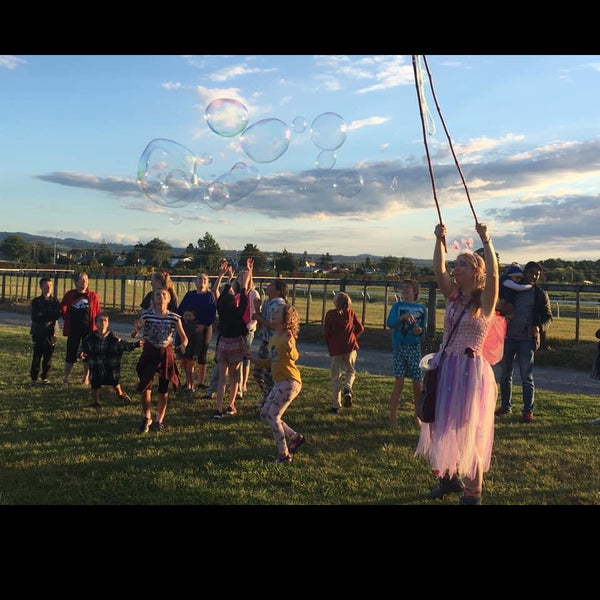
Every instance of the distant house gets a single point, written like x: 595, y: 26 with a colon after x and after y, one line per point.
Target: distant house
x: 176, y: 260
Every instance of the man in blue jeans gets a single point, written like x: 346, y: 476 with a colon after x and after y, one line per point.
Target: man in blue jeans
x: 532, y: 317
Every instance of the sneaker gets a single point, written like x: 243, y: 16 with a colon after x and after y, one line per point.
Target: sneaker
x: 335, y: 410
x: 347, y: 398
x: 158, y: 427
x: 218, y: 415
x: 284, y: 458
x: 125, y: 398
x: 295, y: 442
x: 527, y: 417
x: 202, y: 386
x: 595, y: 422
x: 45, y: 382
x: 231, y: 410
x: 502, y: 411
x: 32, y: 383
x: 145, y: 425
x: 239, y: 396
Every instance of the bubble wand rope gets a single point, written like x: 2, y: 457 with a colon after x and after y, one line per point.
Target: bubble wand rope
x: 421, y: 98
x: 439, y: 110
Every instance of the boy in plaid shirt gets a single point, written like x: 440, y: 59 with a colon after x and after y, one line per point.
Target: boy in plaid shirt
x: 103, y: 350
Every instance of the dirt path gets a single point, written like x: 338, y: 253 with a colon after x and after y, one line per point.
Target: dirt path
x: 378, y: 362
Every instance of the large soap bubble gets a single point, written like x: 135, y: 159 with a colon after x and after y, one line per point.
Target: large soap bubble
x: 266, y: 140
x: 328, y: 131
x: 167, y: 172
x: 226, y: 116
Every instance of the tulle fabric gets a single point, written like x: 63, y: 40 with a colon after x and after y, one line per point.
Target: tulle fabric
x: 463, y: 429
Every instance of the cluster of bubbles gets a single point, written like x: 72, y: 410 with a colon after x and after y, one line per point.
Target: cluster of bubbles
x: 168, y: 172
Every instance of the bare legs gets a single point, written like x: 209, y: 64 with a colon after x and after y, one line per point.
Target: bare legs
x: 395, y: 398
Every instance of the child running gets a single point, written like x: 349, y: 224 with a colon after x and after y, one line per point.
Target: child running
x: 287, y: 382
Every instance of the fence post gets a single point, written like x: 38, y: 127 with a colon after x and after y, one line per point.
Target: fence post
x: 123, y: 291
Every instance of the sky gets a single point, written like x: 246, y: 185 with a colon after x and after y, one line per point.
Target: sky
x: 307, y: 153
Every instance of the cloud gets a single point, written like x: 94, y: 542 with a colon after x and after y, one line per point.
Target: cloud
x: 7, y: 61
x: 531, y: 198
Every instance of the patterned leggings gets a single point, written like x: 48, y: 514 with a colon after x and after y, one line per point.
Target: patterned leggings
x: 280, y: 397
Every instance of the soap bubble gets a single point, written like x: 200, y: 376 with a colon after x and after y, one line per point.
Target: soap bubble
x: 226, y: 116
x: 205, y: 159
x: 349, y: 183
x: 326, y: 159
x: 217, y: 195
x: 266, y: 140
x: 299, y: 124
x: 328, y: 131
x: 167, y: 172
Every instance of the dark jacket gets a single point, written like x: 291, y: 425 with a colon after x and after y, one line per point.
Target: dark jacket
x: 44, y: 317
x: 542, y: 310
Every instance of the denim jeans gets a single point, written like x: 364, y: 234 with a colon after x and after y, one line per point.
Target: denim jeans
x: 524, y: 351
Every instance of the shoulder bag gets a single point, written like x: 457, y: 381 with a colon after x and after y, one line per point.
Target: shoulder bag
x: 425, y: 407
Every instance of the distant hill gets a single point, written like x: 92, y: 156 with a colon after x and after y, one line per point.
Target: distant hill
x: 69, y: 243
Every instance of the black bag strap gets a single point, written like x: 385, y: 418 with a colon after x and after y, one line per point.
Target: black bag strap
x: 456, y: 325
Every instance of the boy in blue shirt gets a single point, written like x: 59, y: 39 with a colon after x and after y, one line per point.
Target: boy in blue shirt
x: 408, y: 321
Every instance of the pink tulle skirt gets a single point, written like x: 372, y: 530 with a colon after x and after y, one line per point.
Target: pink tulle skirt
x: 463, y: 431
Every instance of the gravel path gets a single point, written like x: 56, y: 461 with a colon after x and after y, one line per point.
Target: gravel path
x: 378, y: 362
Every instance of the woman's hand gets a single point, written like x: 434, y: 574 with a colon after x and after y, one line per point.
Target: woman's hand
x: 482, y: 230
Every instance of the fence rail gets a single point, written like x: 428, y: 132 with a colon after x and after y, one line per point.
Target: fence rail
x: 312, y: 297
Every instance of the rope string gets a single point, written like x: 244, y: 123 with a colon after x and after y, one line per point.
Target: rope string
x: 439, y: 110
x: 425, y: 114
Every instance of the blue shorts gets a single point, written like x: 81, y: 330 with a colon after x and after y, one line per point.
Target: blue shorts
x: 406, y: 362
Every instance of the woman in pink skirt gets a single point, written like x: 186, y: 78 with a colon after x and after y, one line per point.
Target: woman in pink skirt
x: 458, y: 444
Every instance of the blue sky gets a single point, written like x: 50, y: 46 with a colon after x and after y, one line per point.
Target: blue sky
x: 525, y: 130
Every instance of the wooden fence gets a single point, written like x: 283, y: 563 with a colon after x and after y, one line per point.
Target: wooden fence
x: 312, y: 297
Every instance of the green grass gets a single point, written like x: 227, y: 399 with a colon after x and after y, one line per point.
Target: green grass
x: 55, y: 450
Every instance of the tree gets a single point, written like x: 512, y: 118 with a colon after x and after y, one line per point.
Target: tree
x: 326, y: 262
x: 15, y: 248
x: 286, y: 262
x: 260, y: 258
x: 209, y: 253
x: 389, y: 264
x: 157, y: 253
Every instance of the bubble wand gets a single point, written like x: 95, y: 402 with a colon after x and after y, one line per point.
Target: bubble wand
x: 421, y: 98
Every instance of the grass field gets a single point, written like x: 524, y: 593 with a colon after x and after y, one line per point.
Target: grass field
x: 56, y: 450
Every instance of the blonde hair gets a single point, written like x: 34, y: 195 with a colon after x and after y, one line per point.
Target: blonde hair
x: 478, y: 264
x: 342, y: 301
x: 290, y: 318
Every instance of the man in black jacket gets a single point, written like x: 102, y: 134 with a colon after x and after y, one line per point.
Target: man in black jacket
x: 532, y: 317
x: 45, y: 312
